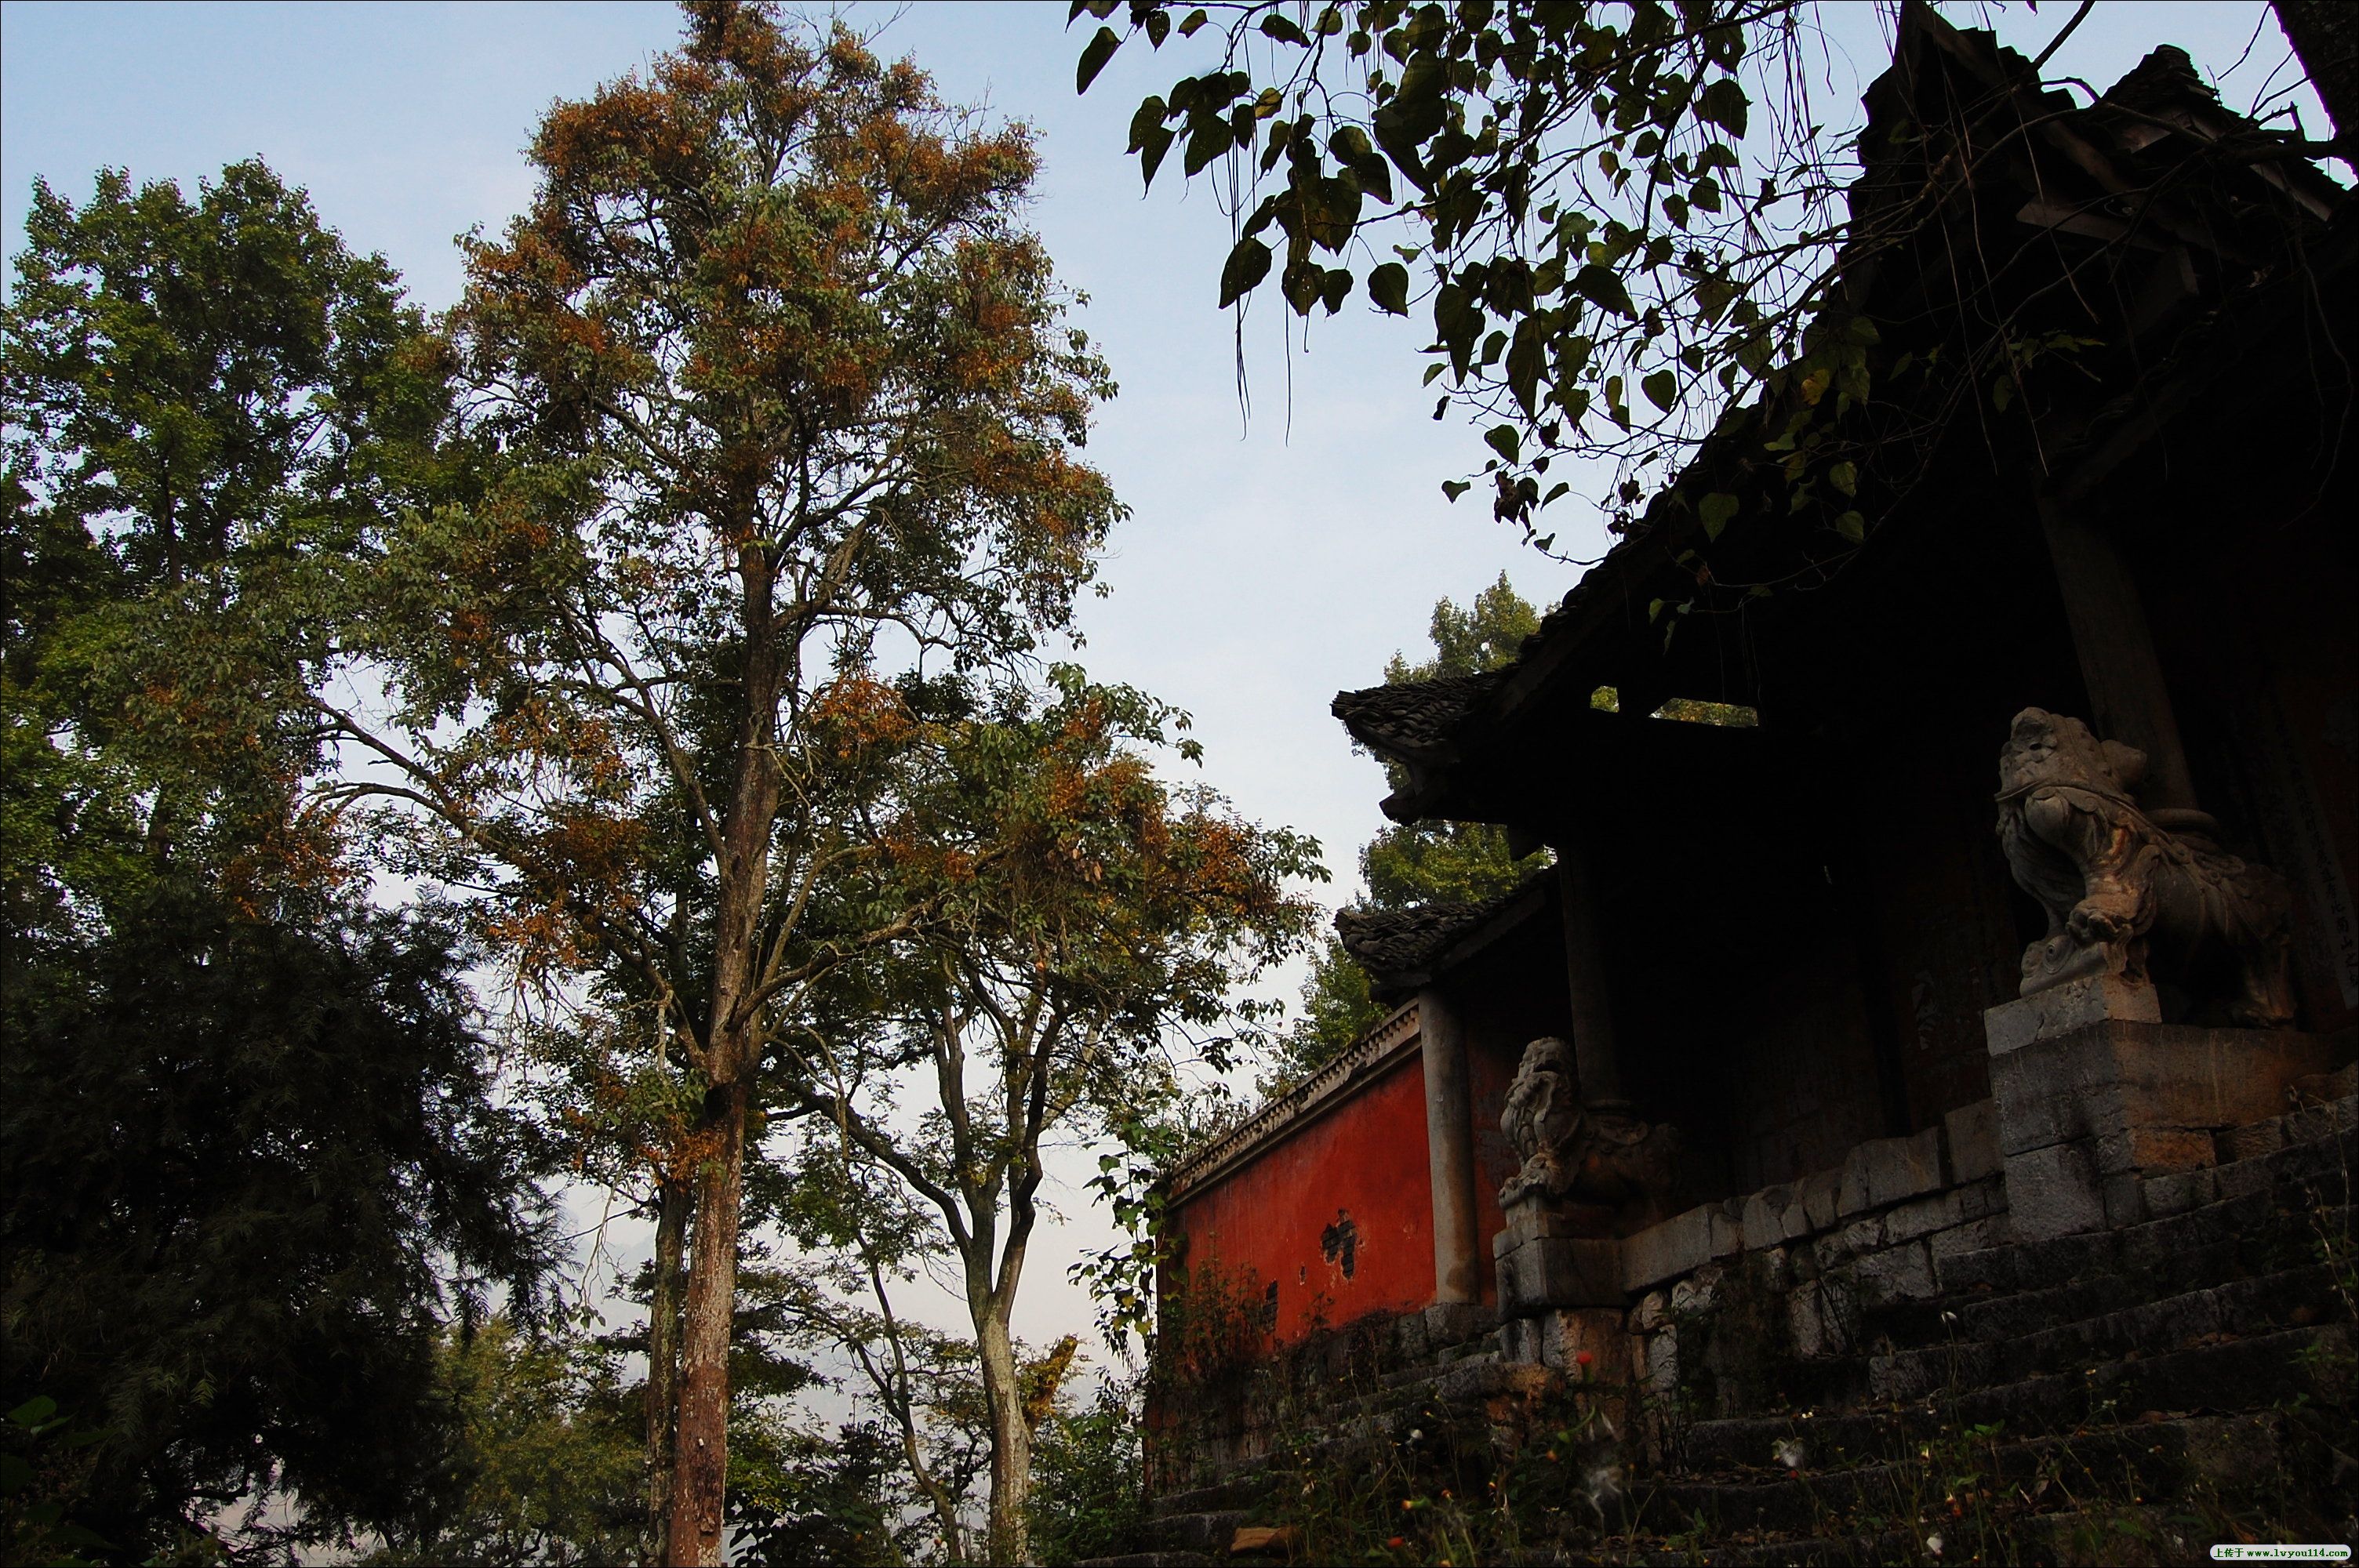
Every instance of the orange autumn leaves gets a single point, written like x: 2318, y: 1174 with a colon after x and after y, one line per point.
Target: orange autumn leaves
x: 1042, y: 820
x: 769, y: 363
x: 659, y: 283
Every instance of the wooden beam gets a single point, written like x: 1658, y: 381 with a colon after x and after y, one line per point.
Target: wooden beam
x: 2115, y: 646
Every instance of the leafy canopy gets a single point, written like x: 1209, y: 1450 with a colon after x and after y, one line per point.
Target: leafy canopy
x: 775, y: 373
x: 770, y: 387
x: 201, y: 406
x: 242, y: 1160
x: 250, y: 1163
x: 1095, y: 927
x: 1092, y: 927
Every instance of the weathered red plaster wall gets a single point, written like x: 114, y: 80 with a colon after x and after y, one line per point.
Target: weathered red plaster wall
x: 1282, y: 1217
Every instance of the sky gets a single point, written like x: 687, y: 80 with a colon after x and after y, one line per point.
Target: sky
x: 1268, y: 562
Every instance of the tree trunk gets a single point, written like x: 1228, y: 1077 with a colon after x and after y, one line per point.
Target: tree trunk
x: 663, y: 1355
x: 895, y: 1389
x: 700, y: 1448
x: 733, y: 1061
x: 2325, y: 35
x: 1011, y: 1441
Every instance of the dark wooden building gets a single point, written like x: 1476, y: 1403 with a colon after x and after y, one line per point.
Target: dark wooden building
x: 2104, y: 469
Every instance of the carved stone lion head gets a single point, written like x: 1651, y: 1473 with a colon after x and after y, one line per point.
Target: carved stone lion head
x: 1546, y: 1055
x: 2044, y: 748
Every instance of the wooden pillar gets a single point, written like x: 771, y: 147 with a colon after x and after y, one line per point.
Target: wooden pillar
x: 2116, y: 645
x: 1449, y: 1149
x: 1594, y: 1052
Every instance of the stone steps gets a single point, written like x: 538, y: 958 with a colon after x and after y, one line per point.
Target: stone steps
x: 2126, y: 1464
x: 2237, y: 1310
x: 2256, y: 1365
x: 2236, y: 1267
x: 2056, y: 1374
x: 1243, y: 1491
x: 1396, y: 1401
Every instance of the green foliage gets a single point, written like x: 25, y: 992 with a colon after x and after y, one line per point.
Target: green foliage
x: 201, y: 407
x: 1088, y: 927
x: 1684, y: 709
x: 1336, y: 1007
x: 825, y: 1498
x: 249, y: 1159
x: 194, y: 379
x: 237, y: 1157
x: 1485, y: 635
x: 45, y: 1467
x: 1089, y: 1494
x: 853, y: 1491
x: 775, y: 378
x: 1576, y: 181
x: 1428, y: 862
x: 545, y: 1465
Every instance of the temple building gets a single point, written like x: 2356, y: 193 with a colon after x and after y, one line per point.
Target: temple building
x: 2023, y: 889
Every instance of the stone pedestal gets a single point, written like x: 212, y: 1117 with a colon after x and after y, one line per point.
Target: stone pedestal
x: 2092, y: 1096
x: 1551, y: 1257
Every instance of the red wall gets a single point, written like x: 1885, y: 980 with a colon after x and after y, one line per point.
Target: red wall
x: 1282, y: 1217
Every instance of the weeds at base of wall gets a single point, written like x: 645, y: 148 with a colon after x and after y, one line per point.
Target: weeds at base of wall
x: 1564, y: 1491
x: 2115, y: 1488
x: 1458, y: 1485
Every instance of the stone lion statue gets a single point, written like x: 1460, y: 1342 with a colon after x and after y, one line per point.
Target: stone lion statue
x: 2116, y: 884
x: 1572, y: 1153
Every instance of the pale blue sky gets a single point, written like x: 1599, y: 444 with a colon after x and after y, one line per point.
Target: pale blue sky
x: 1263, y: 569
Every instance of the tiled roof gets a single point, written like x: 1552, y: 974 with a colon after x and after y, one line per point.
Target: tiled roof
x: 1402, y: 941
x: 1410, y: 720
x: 1401, y: 946
x: 2165, y: 80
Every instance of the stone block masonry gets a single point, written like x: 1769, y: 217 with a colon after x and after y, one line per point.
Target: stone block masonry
x: 2087, y: 1112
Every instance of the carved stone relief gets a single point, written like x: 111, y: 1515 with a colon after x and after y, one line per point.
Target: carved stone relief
x: 2121, y: 884
x: 1575, y: 1154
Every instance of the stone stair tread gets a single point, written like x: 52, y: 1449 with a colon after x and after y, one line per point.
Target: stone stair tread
x: 1413, y: 1376
x: 1238, y: 1491
x: 2013, y: 1350
x: 2238, y: 1308
x: 1793, y: 1508
x: 2162, y: 1248
x: 1207, y: 1530
x: 1719, y: 1441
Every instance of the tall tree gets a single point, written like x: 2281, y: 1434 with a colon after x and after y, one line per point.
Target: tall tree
x: 778, y: 381
x: 1093, y: 922
x: 201, y: 405
x: 246, y: 1133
